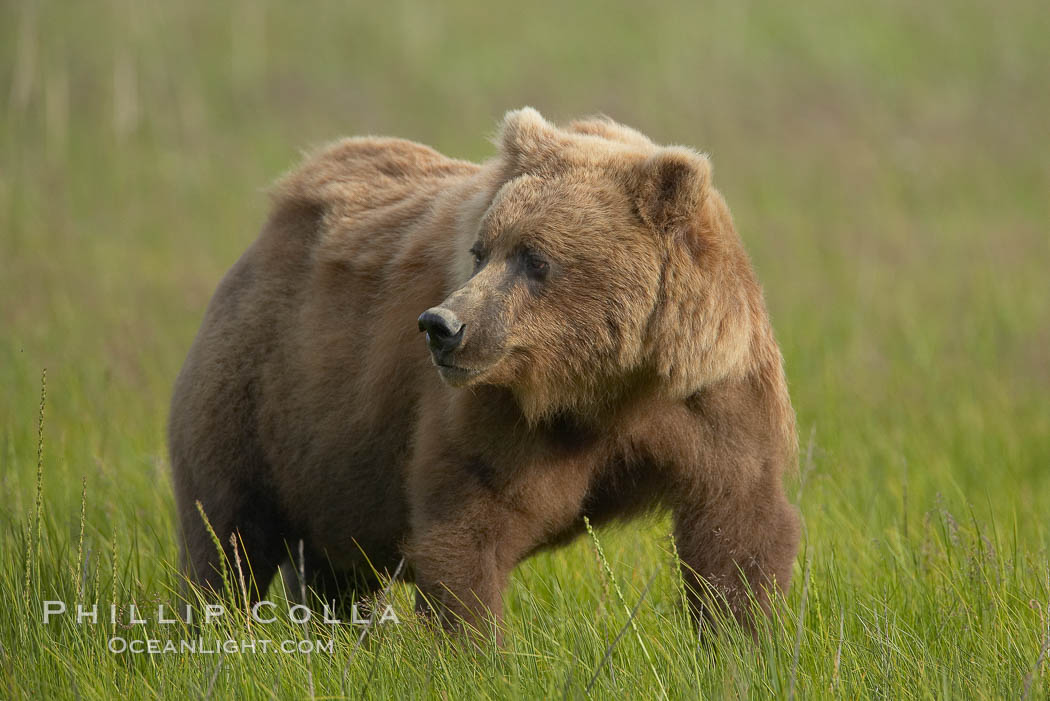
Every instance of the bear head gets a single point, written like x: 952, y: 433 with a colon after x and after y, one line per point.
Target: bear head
x: 594, y: 264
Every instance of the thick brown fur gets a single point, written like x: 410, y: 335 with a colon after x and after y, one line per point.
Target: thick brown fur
x: 616, y: 355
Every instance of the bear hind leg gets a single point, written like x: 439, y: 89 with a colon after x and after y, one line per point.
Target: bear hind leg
x: 249, y: 550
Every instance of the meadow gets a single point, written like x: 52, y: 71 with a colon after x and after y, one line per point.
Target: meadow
x: 888, y: 167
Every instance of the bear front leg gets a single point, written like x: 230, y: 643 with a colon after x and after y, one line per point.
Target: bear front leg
x: 736, y: 551
x: 476, y: 510
x: 461, y: 568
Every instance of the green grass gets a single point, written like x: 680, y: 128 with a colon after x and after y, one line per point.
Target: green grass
x: 888, y: 170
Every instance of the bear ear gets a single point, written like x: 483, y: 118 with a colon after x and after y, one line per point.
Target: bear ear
x: 672, y: 188
x: 606, y: 128
x: 528, y: 141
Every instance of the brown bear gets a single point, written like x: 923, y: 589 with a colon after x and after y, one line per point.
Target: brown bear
x: 596, y: 344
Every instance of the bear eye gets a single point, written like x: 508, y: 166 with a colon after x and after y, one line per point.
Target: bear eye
x: 535, y: 266
x: 479, y: 257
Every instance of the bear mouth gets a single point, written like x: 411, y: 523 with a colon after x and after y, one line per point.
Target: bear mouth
x: 455, y: 375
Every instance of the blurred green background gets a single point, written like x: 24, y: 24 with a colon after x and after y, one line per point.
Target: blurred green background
x: 888, y: 165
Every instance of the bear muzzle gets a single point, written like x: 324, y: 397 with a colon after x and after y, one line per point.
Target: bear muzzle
x: 444, y: 332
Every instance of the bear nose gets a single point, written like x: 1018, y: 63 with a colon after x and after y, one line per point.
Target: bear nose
x: 444, y: 330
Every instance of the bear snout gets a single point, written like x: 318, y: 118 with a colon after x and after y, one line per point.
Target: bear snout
x: 443, y: 329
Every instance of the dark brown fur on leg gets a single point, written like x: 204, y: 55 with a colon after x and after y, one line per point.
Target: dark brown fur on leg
x: 727, y: 569
x: 736, y: 533
x: 464, y: 544
x: 467, y: 594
